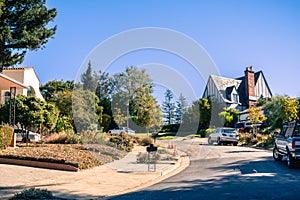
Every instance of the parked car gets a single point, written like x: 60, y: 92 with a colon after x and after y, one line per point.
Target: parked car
x: 224, y: 136
x: 245, y: 126
x: 118, y: 130
x: 21, y: 136
x: 287, y: 144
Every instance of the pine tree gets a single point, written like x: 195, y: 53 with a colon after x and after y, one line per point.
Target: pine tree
x: 23, y: 27
x: 89, y: 79
x: 180, y: 108
x: 168, y: 108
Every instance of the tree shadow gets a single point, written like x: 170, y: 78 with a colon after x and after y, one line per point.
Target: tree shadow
x: 243, y: 179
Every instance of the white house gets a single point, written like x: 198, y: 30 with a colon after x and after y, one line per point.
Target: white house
x: 24, y: 79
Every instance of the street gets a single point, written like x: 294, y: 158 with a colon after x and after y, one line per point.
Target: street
x: 226, y: 172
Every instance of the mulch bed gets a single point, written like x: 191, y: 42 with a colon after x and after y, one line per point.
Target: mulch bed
x: 81, y: 156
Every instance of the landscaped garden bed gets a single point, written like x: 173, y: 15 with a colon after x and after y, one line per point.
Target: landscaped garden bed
x: 80, y: 156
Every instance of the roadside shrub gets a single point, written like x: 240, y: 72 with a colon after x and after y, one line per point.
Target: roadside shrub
x: 261, y: 140
x: 142, y: 157
x: 146, y: 141
x: 88, y: 137
x: 137, y: 140
x: 73, y: 138
x: 63, y: 138
x: 209, y: 131
x: 122, y: 141
x: 56, y: 138
x: 202, y: 133
x: 6, y: 134
x: 34, y: 193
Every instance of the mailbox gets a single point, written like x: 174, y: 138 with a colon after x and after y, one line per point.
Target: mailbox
x: 151, y: 148
x: 151, y: 157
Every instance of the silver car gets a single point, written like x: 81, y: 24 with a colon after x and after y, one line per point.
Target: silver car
x: 224, y: 136
x: 21, y: 136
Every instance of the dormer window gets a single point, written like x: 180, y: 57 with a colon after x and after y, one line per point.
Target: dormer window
x: 235, y: 98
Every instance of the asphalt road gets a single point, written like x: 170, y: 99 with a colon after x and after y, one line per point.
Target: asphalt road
x: 226, y: 172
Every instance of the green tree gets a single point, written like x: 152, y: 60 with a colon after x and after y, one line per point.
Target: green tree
x: 205, y: 113
x: 281, y: 109
x: 51, y: 89
x: 32, y: 113
x: 146, y: 112
x: 190, y: 119
x: 168, y: 108
x: 180, y: 109
x: 104, y: 86
x: 256, y: 116
x: 127, y: 84
x: 24, y: 25
x: 85, y: 109
x: 89, y: 79
x: 60, y: 93
x: 229, y: 116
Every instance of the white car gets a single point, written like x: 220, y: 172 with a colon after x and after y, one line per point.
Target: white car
x: 118, y: 130
x: 224, y: 136
x: 21, y: 136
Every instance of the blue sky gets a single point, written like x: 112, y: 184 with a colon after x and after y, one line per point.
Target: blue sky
x: 236, y: 34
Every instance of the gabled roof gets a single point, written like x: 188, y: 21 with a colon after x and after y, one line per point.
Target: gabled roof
x: 6, y: 83
x: 242, y: 90
x: 224, y: 84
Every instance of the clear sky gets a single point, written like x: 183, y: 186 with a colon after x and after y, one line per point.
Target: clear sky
x: 264, y: 34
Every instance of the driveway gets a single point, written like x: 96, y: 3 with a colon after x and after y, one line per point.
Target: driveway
x: 226, y: 172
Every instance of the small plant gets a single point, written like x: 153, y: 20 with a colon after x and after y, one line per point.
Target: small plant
x: 63, y: 138
x: 146, y: 141
x: 141, y: 157
x: 34, y: 193
x: 123, y: 142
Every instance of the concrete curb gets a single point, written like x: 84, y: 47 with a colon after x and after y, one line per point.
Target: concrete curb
x: 46, y: 165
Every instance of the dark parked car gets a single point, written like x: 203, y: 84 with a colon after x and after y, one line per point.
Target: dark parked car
x: 245, y: 126
x: 287, y: 144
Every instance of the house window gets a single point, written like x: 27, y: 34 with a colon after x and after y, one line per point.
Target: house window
x: 235, y: 98
x: 6, y: 96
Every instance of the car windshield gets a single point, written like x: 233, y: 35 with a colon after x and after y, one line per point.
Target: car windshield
x: 297, y: 130
x: 239, y: 125
x: 229, y: 131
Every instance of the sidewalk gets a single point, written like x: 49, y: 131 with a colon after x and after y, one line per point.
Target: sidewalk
x: 119, y: 177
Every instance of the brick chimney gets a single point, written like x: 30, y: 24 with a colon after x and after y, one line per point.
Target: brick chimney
x: 250, y: 86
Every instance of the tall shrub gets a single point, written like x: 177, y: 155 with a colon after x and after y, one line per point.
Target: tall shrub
x: 6, y: 134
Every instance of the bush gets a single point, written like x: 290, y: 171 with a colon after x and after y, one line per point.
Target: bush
x: 34, y: 193
x: 6, y: 134
x: 261, y: 140
x: 63, y: 138
x: 123, y: 142
x: 146, y: 141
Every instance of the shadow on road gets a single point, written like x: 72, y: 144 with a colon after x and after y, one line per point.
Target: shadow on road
x: 260, y: 179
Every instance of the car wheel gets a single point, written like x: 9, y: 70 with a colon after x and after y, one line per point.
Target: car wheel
x: 291, y: 162
x: 235, y: 144
x: 209, y: 140
x: 276, y: 155
x: 219, y: 141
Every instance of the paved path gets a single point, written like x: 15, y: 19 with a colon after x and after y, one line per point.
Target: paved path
x: 114, y: 178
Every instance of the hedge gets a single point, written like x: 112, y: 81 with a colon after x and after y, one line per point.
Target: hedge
x: 6, y: 134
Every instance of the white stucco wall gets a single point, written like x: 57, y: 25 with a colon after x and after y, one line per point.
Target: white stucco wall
x: 25, y: 75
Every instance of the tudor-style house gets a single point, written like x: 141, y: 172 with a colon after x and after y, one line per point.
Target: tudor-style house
x: 24, y: 79
x: 238, y: 93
